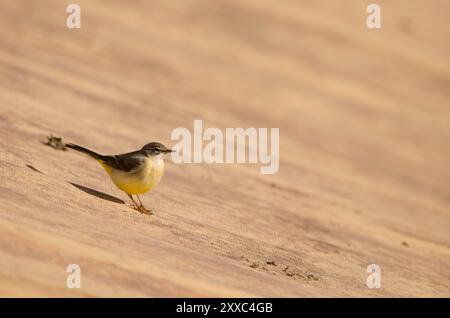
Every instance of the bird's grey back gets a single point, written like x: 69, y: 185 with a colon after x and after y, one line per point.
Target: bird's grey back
x: 128, y: 162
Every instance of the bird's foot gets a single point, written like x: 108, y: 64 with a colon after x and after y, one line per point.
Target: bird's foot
x: 143, y: 210
x: 134, y: 207
x: 140, y: 209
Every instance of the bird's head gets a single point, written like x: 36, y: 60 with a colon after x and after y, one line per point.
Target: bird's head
x: 156, y: 150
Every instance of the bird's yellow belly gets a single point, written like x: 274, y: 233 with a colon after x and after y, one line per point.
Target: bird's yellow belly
x: 140, y: 181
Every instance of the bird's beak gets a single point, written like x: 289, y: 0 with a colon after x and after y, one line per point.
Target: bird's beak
x: 169, y: 150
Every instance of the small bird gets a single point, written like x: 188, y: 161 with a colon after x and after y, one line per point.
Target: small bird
x: 134, y: 172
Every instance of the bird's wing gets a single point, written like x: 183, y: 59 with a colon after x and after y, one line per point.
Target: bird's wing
x: 128, y: 162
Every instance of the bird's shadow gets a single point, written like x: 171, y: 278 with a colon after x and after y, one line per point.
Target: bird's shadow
x: 98, y: 194
x: 90, y: 191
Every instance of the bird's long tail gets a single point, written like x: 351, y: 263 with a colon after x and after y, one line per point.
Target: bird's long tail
x: 88, y: 152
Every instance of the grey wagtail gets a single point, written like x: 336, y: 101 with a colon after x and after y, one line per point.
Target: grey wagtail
x: 134, y: 172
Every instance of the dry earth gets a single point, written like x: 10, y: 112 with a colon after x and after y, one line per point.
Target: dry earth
x: 364, y: 123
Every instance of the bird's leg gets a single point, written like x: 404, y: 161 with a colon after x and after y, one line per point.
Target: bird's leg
x: 142, y: 208
x: 136, y: 206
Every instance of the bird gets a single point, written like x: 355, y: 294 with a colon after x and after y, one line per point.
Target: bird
x: 135, y: 172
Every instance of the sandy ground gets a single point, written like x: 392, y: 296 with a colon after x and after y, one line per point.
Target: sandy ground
x: 364, y: 124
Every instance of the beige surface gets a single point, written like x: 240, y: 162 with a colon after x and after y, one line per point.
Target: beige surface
x: 365, y: 127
